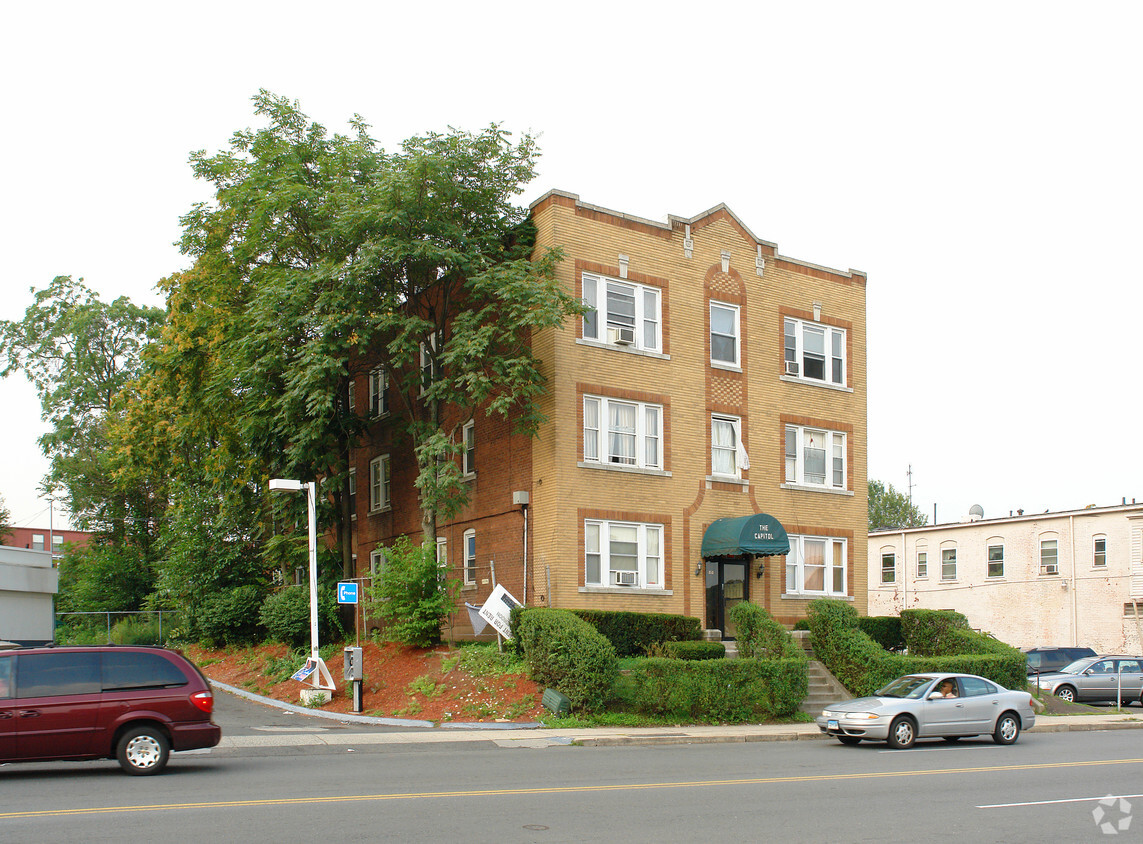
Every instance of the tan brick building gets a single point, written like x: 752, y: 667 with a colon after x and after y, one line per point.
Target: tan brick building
x: 714, y: 378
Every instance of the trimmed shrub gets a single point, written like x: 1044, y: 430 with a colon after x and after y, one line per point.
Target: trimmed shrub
x: 632, y: 633
x: 232, y: 617
x: 695, y: 650
x: 760, y: 636
x: 885, y: 630
x: 566, y: 653
x: 412, y: 595
x: 863, y: 666
x: 728, y: 690
x: 929, y: 632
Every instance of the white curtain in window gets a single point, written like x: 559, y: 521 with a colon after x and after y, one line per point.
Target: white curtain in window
x: 724, y: 446
x: 814, y: 565
x: 622, y: 432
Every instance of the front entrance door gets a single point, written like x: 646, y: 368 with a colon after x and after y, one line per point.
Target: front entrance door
x: 726, y: 588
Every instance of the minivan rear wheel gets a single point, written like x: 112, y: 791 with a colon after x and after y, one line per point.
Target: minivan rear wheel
x: 143, y: 751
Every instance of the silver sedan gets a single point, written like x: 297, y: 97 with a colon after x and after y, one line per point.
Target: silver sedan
x: 1107, y: 678
x: 948, y: 706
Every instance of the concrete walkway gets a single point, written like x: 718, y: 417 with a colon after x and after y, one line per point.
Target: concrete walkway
x: 538, y: 736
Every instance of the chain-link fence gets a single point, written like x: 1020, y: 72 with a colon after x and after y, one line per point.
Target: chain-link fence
x: 142, y: 627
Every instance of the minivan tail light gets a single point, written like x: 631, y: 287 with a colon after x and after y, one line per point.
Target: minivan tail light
x: 204, y: 701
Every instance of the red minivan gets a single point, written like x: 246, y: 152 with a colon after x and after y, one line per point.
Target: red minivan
x: 133, y: 704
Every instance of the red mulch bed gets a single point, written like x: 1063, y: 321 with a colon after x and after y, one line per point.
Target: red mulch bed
x: 400, y: 682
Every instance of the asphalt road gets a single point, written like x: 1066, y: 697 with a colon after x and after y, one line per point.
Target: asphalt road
x: 1045, y: 787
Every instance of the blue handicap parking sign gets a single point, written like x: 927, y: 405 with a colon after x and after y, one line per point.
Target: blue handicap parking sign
x: 347, y: 593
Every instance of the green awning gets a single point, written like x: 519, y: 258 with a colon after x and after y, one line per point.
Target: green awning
x: 761, y: 535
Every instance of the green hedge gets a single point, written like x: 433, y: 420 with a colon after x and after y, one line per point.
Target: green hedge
x: 695, y: 650
x: 728, y: 691
x: 885, y: 630
x: 633, y: 633
x: 286, y: 616
x: 863, y: 666
x: 231, y: 617
x: 759, y: 635
x: 566, y: 653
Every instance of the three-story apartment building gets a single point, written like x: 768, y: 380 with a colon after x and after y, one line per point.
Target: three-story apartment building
x: 712, y: 378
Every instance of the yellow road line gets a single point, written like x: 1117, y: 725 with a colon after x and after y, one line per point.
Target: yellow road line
x: 578, y: 789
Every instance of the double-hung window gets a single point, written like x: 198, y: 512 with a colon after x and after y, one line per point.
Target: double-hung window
x: 922, y: 564
x: 623, y: 554
x: 469, y: 457
x: 996, y: 560
x: 469, y: 557
x: 816, y: 566
x: 727, y: 456
x: 1099, y: 553
x: 379, y: 392
x: 888, y: 567
x: 1049, y: 556
x: 622, y: 433
x: 621, y: 313
x: 724, y: 334
x: 379, y: 483
x: 948, y: 564
x: 815, y: 457
x: 814, y: 351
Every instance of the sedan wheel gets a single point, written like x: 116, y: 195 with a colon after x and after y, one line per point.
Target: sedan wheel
x: 1066, y: 693
x: 1007, y: 729
x: 902, y: 733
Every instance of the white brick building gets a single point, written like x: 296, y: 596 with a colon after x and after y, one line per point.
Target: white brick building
x: 1064, y: 579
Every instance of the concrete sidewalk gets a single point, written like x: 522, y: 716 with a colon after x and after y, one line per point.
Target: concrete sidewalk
x: 538, y: 736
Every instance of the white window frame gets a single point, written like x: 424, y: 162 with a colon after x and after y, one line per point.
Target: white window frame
x: 598, y: 543
x: 380, y: 484
x: 794, y: 352
x: 379, y: 392
x: 990, y: 562
x: 442, y: 552
x: 1099, y: 551
x: 648, y: 312
x: 470, y: 557
x: 468, y: 449
x: 735, y: 337
x: 836, y: 457
x: 888, y: 566
x: 38, y: 542
x: 377, y: 560
x: 923, y: 563
x: 948, y: 558
x: 598, y: 435
x: 1049, y: 556
x: 428, y: 365
x: 352, y: 395
x: 353, y: 483
x: 718, y: 420
x: 835, y: 556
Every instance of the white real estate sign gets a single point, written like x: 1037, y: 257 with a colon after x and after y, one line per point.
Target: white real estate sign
x: 497, y: 609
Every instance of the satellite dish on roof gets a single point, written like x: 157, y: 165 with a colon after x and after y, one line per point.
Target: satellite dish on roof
x: 975, y: 512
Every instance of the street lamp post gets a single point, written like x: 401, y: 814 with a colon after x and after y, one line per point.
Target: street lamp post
x: 318, y: 675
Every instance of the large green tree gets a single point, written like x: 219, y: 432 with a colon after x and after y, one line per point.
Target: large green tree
x: 82, y: 353
x: 889, y: 508
x: 322, y: 254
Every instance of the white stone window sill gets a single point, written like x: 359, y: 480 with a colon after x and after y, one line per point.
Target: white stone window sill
x: 626, y: 590
x: 809, y: 596
x: 814, y: 488
x: 380, y: 510
x: 729, y: 367
x: 629, y: 350
x: 726, y: 479
x: 615, y: 467
x: 813, y: 382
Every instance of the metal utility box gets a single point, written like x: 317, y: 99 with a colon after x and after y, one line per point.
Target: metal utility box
x: 354, y: 665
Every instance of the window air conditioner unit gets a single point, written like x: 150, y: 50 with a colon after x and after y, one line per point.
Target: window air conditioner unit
x: 626, y: 578
x: 623, y: 335
x: 792, y: 367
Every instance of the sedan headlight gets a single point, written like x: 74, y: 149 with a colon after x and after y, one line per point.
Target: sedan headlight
x: 868, y: 716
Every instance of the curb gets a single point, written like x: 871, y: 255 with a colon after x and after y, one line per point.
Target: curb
x: 350, y: 718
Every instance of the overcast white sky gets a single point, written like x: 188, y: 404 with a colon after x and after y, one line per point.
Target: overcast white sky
x: 981, y: 161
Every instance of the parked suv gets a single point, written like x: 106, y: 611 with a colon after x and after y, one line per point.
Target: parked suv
x: 1045, y: 660
x: 133, y: 704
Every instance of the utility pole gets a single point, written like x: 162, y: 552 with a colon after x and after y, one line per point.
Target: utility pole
x: 909, y: 474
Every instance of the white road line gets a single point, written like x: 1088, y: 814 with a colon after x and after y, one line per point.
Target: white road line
x: 1067, y: 800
